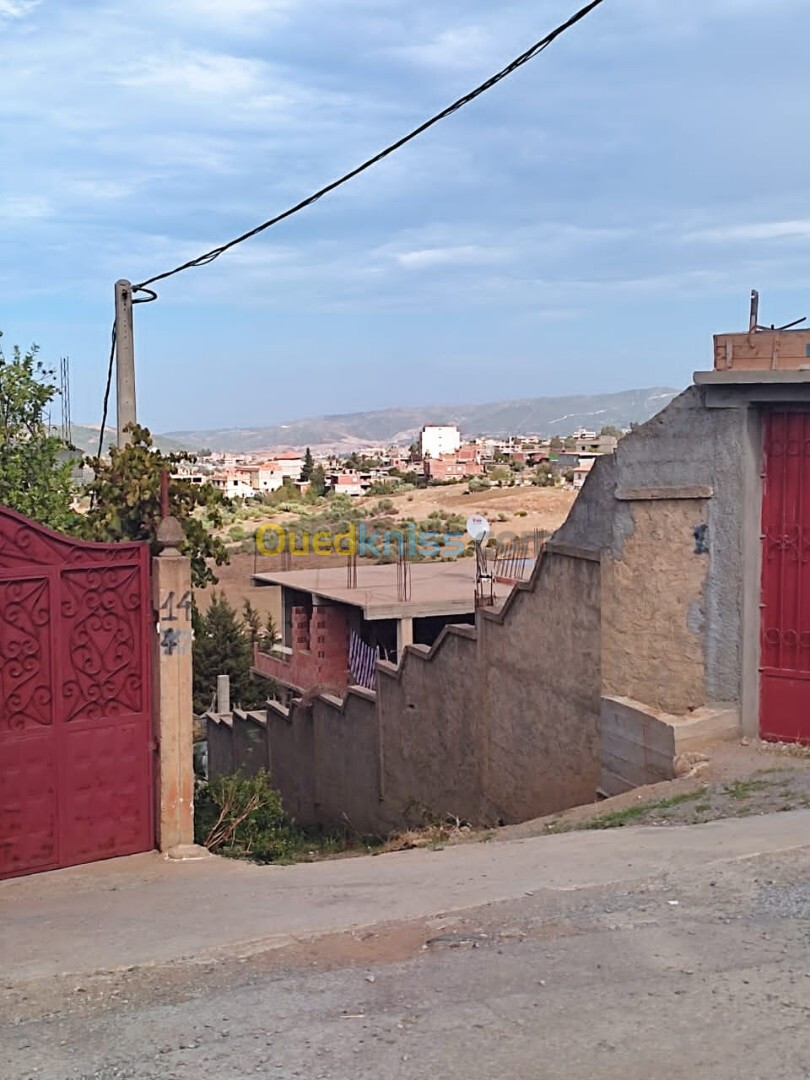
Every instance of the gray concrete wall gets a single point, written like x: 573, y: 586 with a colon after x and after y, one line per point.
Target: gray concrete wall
x: 497, y: 722
x: 690, y: 446
x: 219, y: 739
x: 291, y: 751
x: 346, y: 766
x: 640, y: 595
x: 429, y: 712
x: 638, y: 747
x: 672, y: 607
x: 250, y: 745
x: 541, y: 693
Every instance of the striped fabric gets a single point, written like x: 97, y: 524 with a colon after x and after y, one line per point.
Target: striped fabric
x: 362, y: 662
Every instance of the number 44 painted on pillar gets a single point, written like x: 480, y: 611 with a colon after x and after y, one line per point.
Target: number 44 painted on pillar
x: 172, y: 606
x: 173, y: 641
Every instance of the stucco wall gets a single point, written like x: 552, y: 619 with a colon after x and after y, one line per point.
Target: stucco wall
x: 671, y: 618
x: 429, y: 714
x: 653, y: 605
x: 494, y: 722
x: 291, y: 743
x: 346, y: 750
x: 219, y: 739
x: 541, y: 694
x: 639, y: 596
x: 250, y: 745
x: 690, y: 446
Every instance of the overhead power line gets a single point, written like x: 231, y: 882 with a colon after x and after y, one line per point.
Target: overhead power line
x: 106, y: 406
x: 524, y: 58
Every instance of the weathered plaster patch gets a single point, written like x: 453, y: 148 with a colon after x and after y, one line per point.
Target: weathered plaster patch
x: 653, y: 613
x: 696, y: 618
x: 623, y: 527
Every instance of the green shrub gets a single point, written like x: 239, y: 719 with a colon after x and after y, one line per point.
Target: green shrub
x: 384, y: 506
x: 242, y: 817
x: 384, y: 487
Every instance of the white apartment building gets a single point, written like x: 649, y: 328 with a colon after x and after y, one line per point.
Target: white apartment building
x: 234, y: 484
x: 290, y: 465
x: 264, y: 478
x: 438, y: 439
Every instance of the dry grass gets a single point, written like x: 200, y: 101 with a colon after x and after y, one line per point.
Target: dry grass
x: 433, y: 835
x: 790, y: 750
x: 526, y: 508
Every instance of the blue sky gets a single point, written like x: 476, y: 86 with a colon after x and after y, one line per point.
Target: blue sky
x: 586, y: 226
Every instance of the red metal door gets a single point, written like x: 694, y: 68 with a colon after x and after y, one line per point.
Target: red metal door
x: 785, y: 641
x: 76, y: 743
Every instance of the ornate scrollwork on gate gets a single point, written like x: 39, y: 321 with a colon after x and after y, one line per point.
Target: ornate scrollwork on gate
x: 791, y: 543
x: 25, y: 674
x: 103, y: 619
x: 24, y: 543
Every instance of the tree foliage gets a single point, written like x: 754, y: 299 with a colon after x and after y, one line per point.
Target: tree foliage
x: 544, y: 477
x: 611, y: 429
x: 223, y: 645
x: 500, y: 474
x: 308, y: 466
x: 35, y: 477
x: 125, y: 503
x: 317, y: 482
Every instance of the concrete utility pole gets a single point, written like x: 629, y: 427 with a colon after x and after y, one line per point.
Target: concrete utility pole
x: 125, y: 359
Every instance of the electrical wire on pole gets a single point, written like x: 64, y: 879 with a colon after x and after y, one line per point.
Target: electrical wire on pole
x: 210, y: 256
x: 518, y: 62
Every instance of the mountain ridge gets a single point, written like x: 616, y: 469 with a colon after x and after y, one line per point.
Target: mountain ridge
x: 344, y: 432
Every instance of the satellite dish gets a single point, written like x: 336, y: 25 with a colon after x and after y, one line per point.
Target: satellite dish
x: 478, y: 528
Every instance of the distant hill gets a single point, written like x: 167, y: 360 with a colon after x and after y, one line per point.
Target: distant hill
x: 525, y: 416
x: 85, y: 439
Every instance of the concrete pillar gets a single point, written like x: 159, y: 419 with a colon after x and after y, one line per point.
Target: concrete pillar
x: 125, y: 360
x: 171, y: 653
x: 404, y: 636
x: 223, y: 694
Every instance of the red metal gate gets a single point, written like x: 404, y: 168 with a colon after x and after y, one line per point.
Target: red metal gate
x: 785, y: 642
x: 76, y: 743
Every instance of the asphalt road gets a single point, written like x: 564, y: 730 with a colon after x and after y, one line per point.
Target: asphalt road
x: 696, y: 972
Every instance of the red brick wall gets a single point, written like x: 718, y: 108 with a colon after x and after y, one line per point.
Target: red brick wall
x: 320, y: 652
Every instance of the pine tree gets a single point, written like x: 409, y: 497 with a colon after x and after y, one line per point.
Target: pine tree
x: 252, y: 621
x: 222, y: 646
x: 309, y: 465
x: 317, y: 483
x: 270, y: 631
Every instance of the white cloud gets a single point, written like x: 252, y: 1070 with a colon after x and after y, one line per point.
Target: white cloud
x: 765, y: 230
x: 460, y: 48
x: 17, y: 9
x: 145, y: 134
x: 231, y: 10
x: 460, y: 255
x: 24, y: 208
x: 206, y: 74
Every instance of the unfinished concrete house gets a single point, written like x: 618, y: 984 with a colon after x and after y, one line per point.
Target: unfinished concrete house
x: 672, y: 607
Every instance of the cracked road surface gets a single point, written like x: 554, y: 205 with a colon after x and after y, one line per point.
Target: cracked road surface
x: 696, y: 971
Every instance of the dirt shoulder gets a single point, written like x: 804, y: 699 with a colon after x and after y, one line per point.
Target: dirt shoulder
x: 735, y: 780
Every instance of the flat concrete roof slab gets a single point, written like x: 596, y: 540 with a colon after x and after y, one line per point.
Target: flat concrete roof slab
x: 436, y: 588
